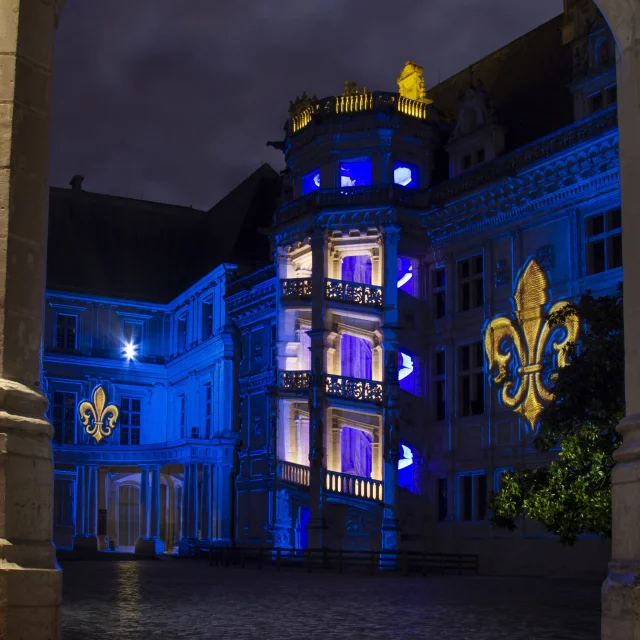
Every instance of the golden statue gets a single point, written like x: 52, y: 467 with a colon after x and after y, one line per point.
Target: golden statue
x: 527, y: 336
x: 411, y: 83
x: 98, y: 420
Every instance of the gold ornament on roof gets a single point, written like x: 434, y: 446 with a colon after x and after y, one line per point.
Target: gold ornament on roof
x: 516, y: 345
x: 98, y: 420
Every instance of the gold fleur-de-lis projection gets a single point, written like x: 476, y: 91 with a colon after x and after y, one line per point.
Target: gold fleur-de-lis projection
x: 516, y: 345
x: 98, y: 420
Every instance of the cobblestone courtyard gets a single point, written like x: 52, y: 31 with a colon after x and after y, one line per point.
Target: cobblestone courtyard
x: 173, y: 599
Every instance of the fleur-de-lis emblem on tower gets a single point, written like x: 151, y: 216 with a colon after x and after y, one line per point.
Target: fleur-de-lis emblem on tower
x: 98, y: 420
x: 517, y: 347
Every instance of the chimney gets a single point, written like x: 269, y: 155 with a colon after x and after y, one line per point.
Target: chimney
x: 76, y: 183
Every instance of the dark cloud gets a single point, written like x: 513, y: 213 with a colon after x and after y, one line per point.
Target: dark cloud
x: 173, y: 100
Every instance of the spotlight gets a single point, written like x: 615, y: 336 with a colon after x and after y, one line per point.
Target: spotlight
x: 130, y: 351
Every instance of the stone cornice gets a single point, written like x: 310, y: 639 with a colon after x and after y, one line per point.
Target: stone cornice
x: 522, y: 158
x: 253, y: 305
x: 161, y: 453
x: 580, y: 172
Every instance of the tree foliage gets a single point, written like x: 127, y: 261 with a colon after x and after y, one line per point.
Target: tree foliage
x: 572, y: 495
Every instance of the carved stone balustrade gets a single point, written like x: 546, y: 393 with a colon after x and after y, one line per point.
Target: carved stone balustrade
x: 294, y: 381
x: 366, y: 295
x: 296, y: 289
x: 393, y: 195
x: 348, y: 485
x: 353, y: 388
x: 293, y: 473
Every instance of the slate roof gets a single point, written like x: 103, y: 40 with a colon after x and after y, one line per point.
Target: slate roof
x: 528, y: 81
x: 134, y: 249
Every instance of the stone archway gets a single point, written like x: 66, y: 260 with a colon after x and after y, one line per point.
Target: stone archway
x: 30, y: 580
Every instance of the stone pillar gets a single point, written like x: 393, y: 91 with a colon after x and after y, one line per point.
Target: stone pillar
x: 621, y: 589
x: 206, y: 501
x: 92, y: 504
x: 223, y: 504
x: 195, y: 495
x: 30, y: 578
x: 390, y: 526
x: 142, y: 543
x: 185, y: 500
x: 317, y: 390
x: 152, y: 544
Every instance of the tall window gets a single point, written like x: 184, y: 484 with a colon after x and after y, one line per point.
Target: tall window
x: 311, y: 181
x: 183, y: 416
x: 208, y: 410
x: 63, y: 501
x: 207, y: 318
x: 132, y: 333
x: 470, y: 379
x: 439, y: 387
x: 355, y: 173
x: 438, y: 292
x: 472, y: 489
x: 604, y: 242
x: 443, y: 499
x: 129, y: 421
x: 182, y: 332
x: 470, y: 283
x: 64, y: 417
x: 66, y: 331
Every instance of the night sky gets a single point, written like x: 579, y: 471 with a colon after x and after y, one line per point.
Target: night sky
x: 174, y: 100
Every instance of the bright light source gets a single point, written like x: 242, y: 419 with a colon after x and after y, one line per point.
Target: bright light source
x: 407, y: 275
x: 407, y: 366
x: 402, y: 176
x: 407, y: 457
x: 130, y: 351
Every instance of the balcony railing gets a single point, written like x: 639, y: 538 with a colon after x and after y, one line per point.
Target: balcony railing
x: 293, y: 473
x: 294, y: 380
x: 296, y: 289
x: 333, y: 481
x: 353, y: 388
x: 366, y: 295
x: 340, y: 386
x: 355, y: 486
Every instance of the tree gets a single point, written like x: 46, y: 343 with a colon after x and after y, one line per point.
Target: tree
x: 572, y: 495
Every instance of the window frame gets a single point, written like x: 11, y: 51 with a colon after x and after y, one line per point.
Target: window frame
x: 439, y: 292
x: 56, y: 331
x: 475, y: 373
x: 470, y: 280
x: 439, y: 380
x: 479, y: 502
x: 608, y: 233
x: 74, y: 421
x: 126, y: 412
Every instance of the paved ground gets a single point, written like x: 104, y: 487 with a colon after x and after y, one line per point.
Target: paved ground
x: 179, y: 599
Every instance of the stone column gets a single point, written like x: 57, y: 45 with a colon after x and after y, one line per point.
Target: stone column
x: 30, y: 578
x: 92, y: 505
x: 206, y: 502
x: 390, y: 526
x: 185, y: 500
x: 151, y: 544
x: 621, y: 589
x: 317, y: 390
x: 222, y: 504
x: 145, y: 512
x: 195, y: 501
x: 80, y: 507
